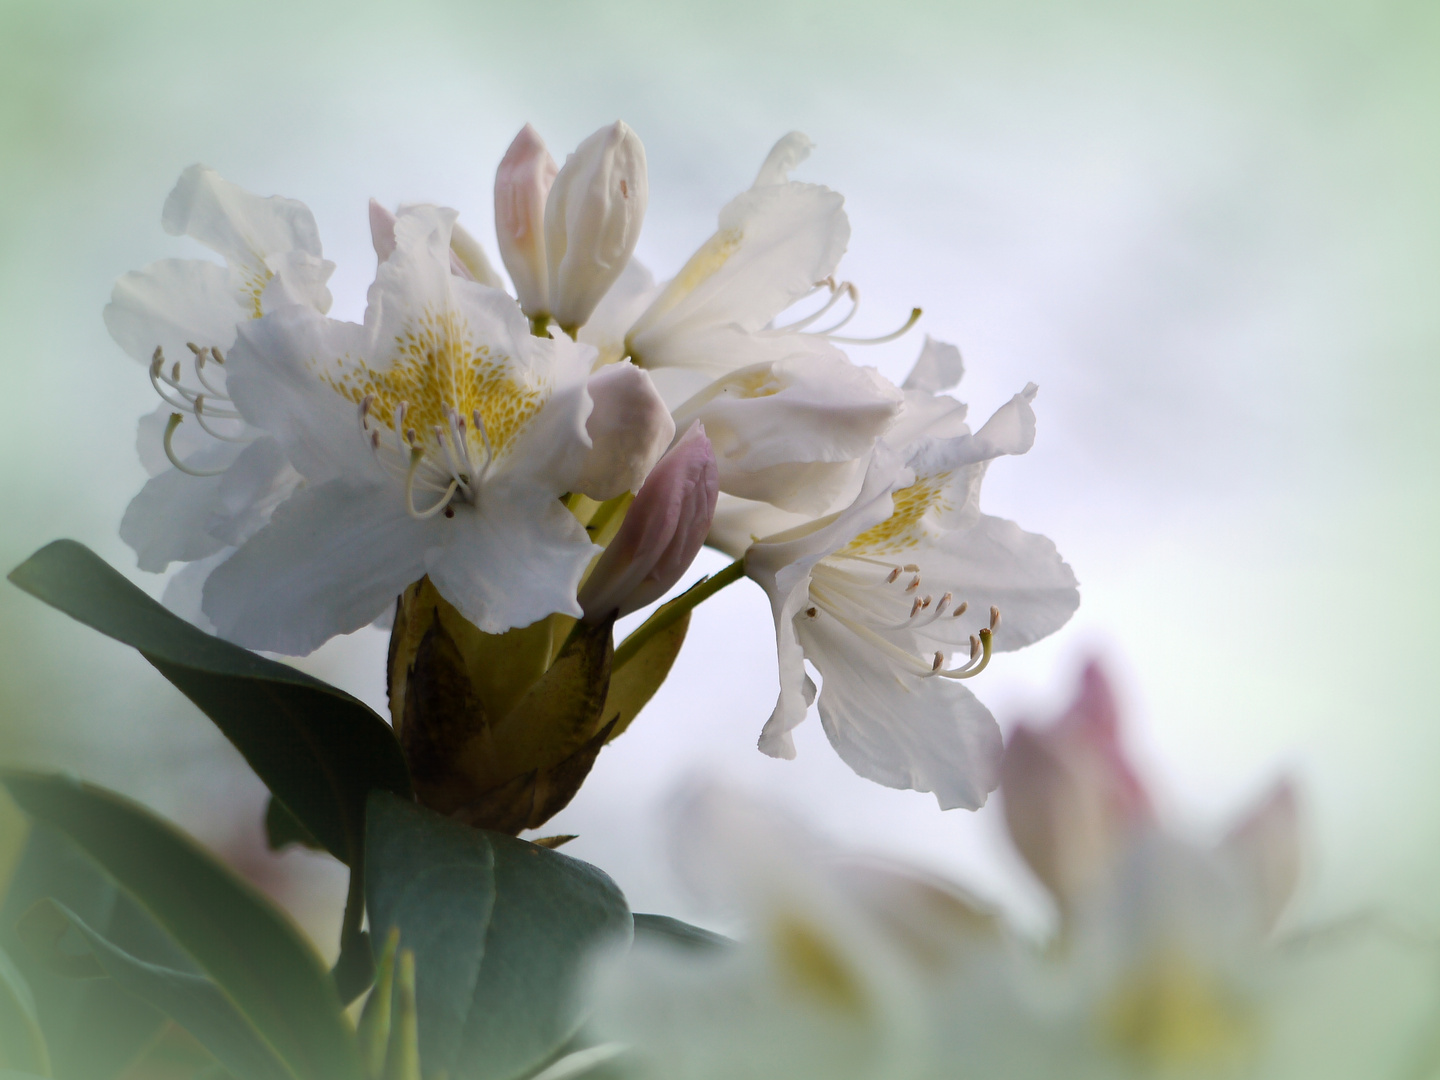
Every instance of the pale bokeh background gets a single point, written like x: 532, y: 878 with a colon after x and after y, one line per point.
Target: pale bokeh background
x: 1209, y: 231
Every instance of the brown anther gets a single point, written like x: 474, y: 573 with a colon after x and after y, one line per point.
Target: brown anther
x: 888, y: 581
x: 939, y: 662
x: 974, y: 646
x: 994, y: 616
x: 911, y: 568
x: 914, y: 584
x: 449, y: 511
x: 175, y: 371
x: 217, y: 355
x: 193, y: 347
x: 199, y: 404
x: 927, y: 601
x: 810, y: 612
x: 157, y: 358
x: 964, y: 607
x: 410, y: 436
x: 374, y: 440
x: 916, y: 606
x: 944, y: 603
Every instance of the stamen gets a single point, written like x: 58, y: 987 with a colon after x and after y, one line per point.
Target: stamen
x: 915, y: 314
x: 939, y: 662
x: 219, y: 359
x: 914, y: 584
x: 810, y: 612
x: 964, y: 607
x: 979, y: 647
x: 416, y: 457
x: 916, y: 606
x: 200, y: 419
x: 893, y: 575
x: 994, y: 617
x: 170, y: 426
x: 485, y: 438
x: 911, y: 568
x: 193, y: 347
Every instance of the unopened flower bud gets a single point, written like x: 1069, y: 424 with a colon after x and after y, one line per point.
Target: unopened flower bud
x: 522, y: 185
x: 661, y: 534
x: 629, y: 427
x: 592, y: 221
x: 1071, y: 798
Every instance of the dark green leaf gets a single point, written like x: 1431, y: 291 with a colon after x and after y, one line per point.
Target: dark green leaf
x: 317, y: 748
x: 94, y: 1028
x: 22, y: 1044
x: 244, y: 944
x: 500, y: 928
x: 282, y: 829
x: 192, y: 1001
x: 664, y: 928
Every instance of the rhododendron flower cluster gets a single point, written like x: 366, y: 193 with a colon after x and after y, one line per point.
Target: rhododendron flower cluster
x: 317, y: 468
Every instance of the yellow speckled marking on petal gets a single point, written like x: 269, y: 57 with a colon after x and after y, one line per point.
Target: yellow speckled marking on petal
x: 902, y: 528
x: 254, y: 279
x: 437, y: 363
x: 1172, y: 1015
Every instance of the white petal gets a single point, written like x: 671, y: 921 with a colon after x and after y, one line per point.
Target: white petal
x: 331, y: 559
x: 938, y: 368
x: 738, y: 523
x: 466, y: 250
x: 260, y: 480
x: 170, y: 303
x: 273, y: 381
x: 168, y: 521
x: 183, y: 591
x: 228, y: 219
x: 515, y: 561
x: 995, y: 562
x: 796, y: 432
x: 773, y: 245
x: 629, y: 428
x: 785, y: 155
x: 617, y: 311
x: 900, y: 730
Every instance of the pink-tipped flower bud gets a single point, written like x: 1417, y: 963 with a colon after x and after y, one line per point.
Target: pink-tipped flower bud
x: 592, y: 221
x: 1071, y: 798
x: 522, y: 186
x: 661, y: 534
x: 629, y: 428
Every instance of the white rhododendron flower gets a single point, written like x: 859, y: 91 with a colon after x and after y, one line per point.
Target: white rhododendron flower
x: 434, y: 439
x: 1169, y: 964
x: 1166, y: 963
x: 880, y: 596
x: 215, y: 478
x: 820, y: 986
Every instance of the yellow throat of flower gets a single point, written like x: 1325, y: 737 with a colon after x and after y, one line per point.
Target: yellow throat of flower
x: 1171, y: 1016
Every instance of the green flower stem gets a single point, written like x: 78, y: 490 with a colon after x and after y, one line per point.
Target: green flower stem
x: 669, y: 614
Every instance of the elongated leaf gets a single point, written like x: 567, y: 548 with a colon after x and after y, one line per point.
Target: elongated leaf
x: 236, y: 937
x: 22, y: 1044
x: 319, y: 750
x: 500, y: 929
x: 282, y: 829
x: 637, y: 674
x: 192, y: 1001
x: 663, y: 927
x: 94, y: 1028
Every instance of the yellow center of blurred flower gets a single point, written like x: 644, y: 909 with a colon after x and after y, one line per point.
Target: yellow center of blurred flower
x: 1173, y: 1015
x: 814, y: 968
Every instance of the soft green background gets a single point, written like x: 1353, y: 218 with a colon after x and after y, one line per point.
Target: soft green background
x: 1209, y: 231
